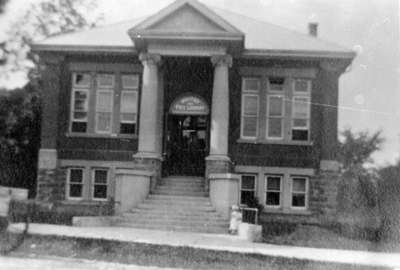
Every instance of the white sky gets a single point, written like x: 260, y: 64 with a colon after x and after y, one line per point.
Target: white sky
x: 369, y: 93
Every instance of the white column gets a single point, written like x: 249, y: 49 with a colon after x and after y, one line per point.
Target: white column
x: 220, y: 108
x: 150, y: 112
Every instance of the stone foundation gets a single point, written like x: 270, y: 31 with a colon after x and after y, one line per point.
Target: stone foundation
x: 51, y: 184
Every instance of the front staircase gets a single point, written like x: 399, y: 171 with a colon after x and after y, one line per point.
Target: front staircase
x: 179, y: 203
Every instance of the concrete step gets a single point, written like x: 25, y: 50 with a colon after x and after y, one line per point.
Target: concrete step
x: 168, y: 208
x: 200, y: 217
x: 198, y: 229
x: 177, y: 198
x: 178, y: 204
x: 172, y: 222
x: 180, y: 189
x: 184, y: 178
x: 181, y: 193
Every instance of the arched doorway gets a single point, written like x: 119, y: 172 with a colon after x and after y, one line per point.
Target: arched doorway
x: 187, y: 136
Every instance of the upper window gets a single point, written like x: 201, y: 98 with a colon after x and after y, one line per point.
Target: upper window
x: 287, y: 109
x: 129, y: 101
x: 273, y: 185
x: 275, y: 116
x: 247, y: 188
x: 276, y: 84
x: 250, y: 107
x: 108, y: 114
x: 301, y: 106
x: 299, y: 192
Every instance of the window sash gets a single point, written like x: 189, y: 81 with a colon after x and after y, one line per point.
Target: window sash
x: 245, y: 115
x: 107, y: 111
x: 276, y: 87
x: 129, y: 109
x: 125, y: 81
x: 75, y: 183
x: 86, y: 77
x: 75, y: 110
x: 302, y: 193
x: 308, y: 89
x: 249, y: 79
x: 101, y: 77
x: 96, y: 184
x: 247, y: 190
x: 270, y: 117
x: 273, y: 191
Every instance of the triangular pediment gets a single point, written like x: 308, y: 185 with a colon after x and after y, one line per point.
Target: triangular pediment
x: 185, y: 17
x: 187, y: 20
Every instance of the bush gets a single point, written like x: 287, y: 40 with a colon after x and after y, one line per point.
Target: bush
x: 389, y: 203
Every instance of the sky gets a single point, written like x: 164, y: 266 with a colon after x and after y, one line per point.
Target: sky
x: 369, y: 97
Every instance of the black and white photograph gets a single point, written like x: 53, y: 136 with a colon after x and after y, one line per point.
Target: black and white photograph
x: 200, y: 134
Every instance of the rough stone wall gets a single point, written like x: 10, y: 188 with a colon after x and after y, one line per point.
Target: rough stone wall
x: 51, y: 184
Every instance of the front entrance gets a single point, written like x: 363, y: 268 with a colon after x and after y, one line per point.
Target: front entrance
x: 187, y: 144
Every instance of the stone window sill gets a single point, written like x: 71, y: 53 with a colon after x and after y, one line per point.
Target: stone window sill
x: 91, y: 135
x: 258, y: 141
x: 84, y: 202
x: 299, y: 212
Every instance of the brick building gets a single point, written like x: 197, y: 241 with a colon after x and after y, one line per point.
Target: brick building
x: 246, y: 106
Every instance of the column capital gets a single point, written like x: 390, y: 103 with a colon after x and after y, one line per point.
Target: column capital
x: 150, y: 58
x: 222, y: 60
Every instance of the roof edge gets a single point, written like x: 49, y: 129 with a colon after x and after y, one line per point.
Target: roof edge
x: 298, y: 54
x: 80, y: 48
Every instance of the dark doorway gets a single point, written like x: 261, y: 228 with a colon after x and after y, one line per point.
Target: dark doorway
x: 187, y: 144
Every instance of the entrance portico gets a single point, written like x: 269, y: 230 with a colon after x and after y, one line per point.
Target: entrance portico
x: 185, y: 30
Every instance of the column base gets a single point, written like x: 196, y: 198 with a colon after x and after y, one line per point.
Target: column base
x: 224, y: 191
x: 151, y: 163
x: 216, y: 164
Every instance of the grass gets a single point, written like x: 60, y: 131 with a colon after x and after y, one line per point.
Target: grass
x: 314, y: 236
x: 156, y: 255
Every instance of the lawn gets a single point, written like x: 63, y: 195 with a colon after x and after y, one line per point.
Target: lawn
x: 155, y: 255
x: 314, y: 236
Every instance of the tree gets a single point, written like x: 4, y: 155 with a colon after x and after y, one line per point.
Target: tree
x: 356, y: 149
x: 43, y: 19
x: 2, y: 5
x: 20, y: 110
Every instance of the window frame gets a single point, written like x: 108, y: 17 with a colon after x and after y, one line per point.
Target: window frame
x: 111, y: 112
x: 68, y: 184
x: 251, y: 190
x: 79, y: 88
x: 282, y: 117
x: 308, y: 118
x: 306, y: 192
x: 129, y: 89
x: 299, y: 93
x: 93, y: 184
x: 274, y: 91
x: 281, y: 191
x: 249, y: 93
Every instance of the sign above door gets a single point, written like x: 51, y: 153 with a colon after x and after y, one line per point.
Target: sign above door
x: 189, y: 104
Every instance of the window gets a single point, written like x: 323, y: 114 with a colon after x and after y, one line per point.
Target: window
x: 100, y: 184
x: 94, y: 108
x: 75, y: 184
x: 276, y: 84
x: 275, y: 116
x: 104, y: 103
x: 247, y: 188
x: 250, y: 107
x: 129, y: 101
x: 300, y: 118
x: 273, y: 185
x: 299, y: 192
x: 80, y: 102
x: 287, y: 109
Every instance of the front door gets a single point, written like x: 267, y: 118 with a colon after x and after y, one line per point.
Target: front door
x: 187, y: 144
